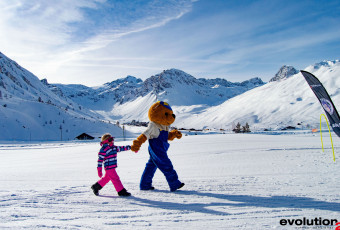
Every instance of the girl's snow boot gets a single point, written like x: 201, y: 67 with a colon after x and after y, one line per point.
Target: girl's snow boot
x: 95, y: 188
x: 123, y: 192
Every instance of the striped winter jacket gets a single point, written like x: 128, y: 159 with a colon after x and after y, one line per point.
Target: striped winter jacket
x: 108, y: 155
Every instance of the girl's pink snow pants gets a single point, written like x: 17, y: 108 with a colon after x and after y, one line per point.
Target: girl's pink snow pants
x: 111, y: 175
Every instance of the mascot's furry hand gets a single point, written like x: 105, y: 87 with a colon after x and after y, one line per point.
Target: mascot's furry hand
x: 174, y: 134
x: 138, y: 143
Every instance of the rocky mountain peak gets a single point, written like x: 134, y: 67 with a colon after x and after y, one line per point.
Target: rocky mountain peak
x: 284, y: 73
x: 44, y: 81
x: 325, y: 64
x: 129, y: 80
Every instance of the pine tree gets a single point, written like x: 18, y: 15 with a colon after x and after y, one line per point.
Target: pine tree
x: 237, y: 128
x: 246, y: 128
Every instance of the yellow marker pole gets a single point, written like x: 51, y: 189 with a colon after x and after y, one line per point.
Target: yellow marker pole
x: 330, y: 135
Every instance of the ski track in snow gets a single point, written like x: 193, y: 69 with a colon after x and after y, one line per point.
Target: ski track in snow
x: 232, y: 182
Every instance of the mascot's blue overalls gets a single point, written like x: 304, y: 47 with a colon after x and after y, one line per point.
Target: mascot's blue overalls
x: 158, y: 147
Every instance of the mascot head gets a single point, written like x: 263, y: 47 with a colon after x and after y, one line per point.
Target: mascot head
x: 161, y: 113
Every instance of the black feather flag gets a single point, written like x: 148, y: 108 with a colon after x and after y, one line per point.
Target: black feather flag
x: 325, y: 100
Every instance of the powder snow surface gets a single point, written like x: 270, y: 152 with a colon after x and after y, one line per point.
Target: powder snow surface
x: 231, y: 182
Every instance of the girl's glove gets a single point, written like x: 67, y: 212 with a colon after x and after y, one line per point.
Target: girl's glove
x: 100, y: 173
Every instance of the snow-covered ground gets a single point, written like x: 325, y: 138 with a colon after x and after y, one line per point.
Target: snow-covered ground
x: 233, y: 181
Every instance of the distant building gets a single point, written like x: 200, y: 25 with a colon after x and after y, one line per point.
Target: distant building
x: 88, y: 136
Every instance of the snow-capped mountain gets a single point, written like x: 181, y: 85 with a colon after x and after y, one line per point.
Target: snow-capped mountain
x: 278, y: 104
x: 130, y: 98
x: 183, y: 89
x: 101, y: 97
x: 284, y: 72
x: 31, y: 111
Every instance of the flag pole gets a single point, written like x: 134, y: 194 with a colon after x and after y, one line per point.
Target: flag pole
x: 330, y: 135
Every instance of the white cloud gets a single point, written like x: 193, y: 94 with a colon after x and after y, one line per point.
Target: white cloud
x: 91, y: 41
x: 44, y: 36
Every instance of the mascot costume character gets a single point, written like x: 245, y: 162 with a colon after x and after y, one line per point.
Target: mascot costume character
x: 161, y: 117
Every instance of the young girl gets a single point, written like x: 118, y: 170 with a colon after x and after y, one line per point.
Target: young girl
x: 108, y: 155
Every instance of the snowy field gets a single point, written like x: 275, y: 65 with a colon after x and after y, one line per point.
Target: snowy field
x: 233, y: 181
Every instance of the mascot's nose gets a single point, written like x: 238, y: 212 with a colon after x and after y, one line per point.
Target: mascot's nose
x: 173, y: 115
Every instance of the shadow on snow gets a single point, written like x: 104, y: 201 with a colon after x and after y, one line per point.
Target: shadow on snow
x: 289, y: 202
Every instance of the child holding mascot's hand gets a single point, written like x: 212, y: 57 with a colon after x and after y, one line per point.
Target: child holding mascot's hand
x: 108, y: 156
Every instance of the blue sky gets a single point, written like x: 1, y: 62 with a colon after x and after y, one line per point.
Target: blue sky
x: 92, y: 42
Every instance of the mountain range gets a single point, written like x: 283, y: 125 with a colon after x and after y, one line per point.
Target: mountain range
x: 180, y: 88
x: 129, y: 98
x: 38, y: 110
x: 286, y: 101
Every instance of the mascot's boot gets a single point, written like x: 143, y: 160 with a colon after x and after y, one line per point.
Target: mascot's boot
x: 181, y: 185
x: 95, y: 188
x: 150, y: 188
x: 123, y: 192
